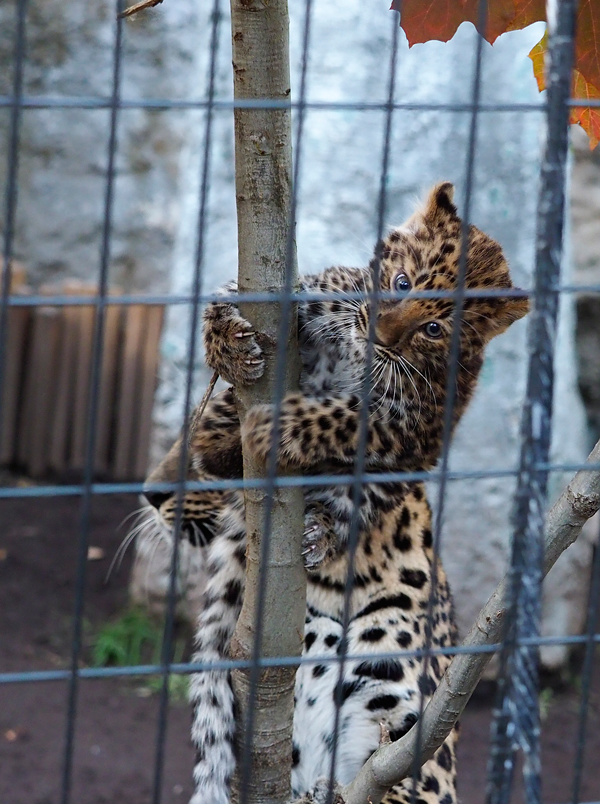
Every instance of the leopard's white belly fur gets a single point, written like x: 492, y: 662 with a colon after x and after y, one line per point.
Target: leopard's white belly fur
x: 388, y: 615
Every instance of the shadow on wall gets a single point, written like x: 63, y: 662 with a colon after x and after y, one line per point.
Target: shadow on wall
x: 588, y: 355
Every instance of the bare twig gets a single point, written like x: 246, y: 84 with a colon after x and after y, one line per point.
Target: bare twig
x: 203, y: 403
x: 393, y: 762
x: 139, y: 7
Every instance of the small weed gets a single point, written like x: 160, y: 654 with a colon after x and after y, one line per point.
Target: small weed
x: 545, y: 700
x: 135, y: 639
x: 124, y: 641
x: 178, y: 683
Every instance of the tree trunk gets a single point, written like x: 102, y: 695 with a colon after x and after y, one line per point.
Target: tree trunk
x: 263, y: 170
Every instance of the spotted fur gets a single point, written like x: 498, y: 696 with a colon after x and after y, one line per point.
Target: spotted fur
x: 393, y: 608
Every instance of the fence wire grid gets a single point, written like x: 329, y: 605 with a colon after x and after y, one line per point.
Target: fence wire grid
x: 516, y: 721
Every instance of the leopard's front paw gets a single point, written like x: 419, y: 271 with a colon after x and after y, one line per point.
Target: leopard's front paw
x: 231, y: 346
x: 320, y: 542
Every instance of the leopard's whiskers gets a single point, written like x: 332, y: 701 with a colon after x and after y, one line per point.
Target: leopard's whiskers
x: 149, y: 563
x: 427, y: 381
x: 131, y: 515
x: 145, y: 522
x: 406, y: 370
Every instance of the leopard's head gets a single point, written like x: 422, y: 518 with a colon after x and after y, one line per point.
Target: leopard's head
x: 413, y: 333
x: 197, y: 509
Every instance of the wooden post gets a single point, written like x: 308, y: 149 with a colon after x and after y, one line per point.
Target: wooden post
x: 42, y: 367
x: 127, y: 410
x: 149, y: 366
x: 108, y: 386
x: 16, y: 337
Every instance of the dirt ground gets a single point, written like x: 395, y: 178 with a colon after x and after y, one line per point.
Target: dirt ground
x: 117, y: 720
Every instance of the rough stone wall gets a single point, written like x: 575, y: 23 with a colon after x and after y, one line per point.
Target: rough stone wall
x: 63, y: 152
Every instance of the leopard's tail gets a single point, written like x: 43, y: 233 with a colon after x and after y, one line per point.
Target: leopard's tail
x: 213, y: 723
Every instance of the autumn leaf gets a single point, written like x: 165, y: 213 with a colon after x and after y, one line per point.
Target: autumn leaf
x: 538, y: 55
x: 587, y: 52
x: 423, y: 20
x: 587, y: 117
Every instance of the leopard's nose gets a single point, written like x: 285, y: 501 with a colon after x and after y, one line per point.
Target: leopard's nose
x: 383, y: 336
x: 156, y: 498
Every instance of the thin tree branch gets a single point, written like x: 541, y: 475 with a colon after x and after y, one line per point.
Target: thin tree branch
x: 393, y: 762
x: 138, y: 7
x: 198, y: 413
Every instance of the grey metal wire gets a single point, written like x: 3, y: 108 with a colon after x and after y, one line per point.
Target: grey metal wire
x: 265, y: 103
x: 517, y: 720
x: 167, y: 643
x: 459, y: 300
x: 164, y: 104
x: 127, y: 300
x: 11, y: 183
x: 30, y: 676
x: 360, y: 458
x: 523, y: 639
x: 91, y: 419
x: 281, y: 482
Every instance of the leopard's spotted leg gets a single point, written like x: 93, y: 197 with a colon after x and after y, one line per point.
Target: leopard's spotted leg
x: 317, y: 430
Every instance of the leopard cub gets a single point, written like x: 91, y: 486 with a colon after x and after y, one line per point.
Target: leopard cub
x: 398, y: 605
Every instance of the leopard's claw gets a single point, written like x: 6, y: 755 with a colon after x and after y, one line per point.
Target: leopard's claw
x: 231, y: 346
x: 320, y: 541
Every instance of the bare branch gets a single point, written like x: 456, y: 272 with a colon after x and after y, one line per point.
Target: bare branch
x: 393, y: 762
x: 139, y: 7
x: 202, y: 406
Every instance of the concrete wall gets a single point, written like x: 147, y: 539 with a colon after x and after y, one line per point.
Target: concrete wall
x: 63, y: 152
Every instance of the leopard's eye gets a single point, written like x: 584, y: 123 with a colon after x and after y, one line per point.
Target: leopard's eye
x: 433, y: 329
x: 401, y: 283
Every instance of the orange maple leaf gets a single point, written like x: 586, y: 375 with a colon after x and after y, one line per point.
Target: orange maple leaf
x: 587, y: 117
x: 423, y: 20
x: 587, y: 52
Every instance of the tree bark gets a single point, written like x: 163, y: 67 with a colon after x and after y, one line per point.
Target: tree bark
x: 393, y: 762
x: 263, y: 172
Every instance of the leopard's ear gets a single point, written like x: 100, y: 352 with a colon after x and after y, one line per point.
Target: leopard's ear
x: 506, y: 313
x: 437, y: 211
x: 440, y: 203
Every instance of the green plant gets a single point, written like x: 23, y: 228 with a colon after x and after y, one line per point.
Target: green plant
x: 134, y: 639
x: 178, y: 684
x: 546, y: 699
x: 124, y: 641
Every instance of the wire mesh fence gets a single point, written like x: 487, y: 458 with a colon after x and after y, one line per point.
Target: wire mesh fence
x: 517, y: 721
